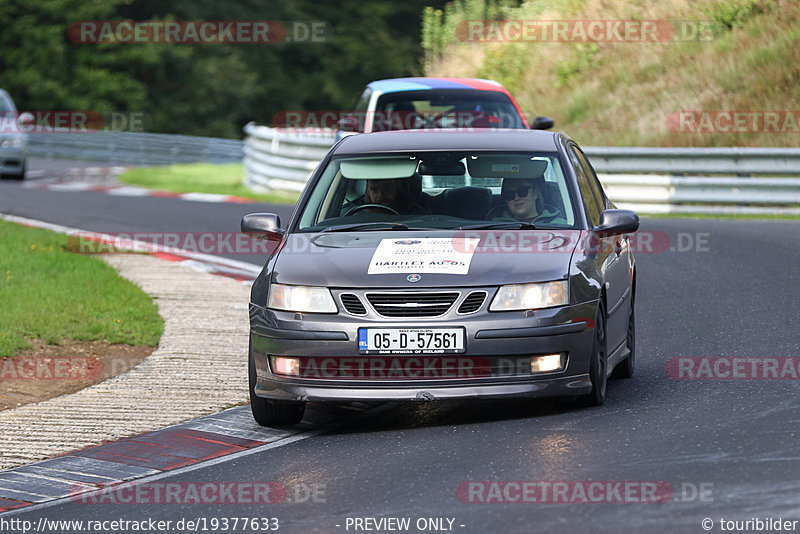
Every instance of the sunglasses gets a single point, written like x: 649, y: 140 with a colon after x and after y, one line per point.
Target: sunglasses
x: 510, y: 194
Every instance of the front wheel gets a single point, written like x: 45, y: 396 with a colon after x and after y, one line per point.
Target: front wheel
x: 270, y: 412
x: 20, y: 176
x: 597, y: 366
x: 625, y: 368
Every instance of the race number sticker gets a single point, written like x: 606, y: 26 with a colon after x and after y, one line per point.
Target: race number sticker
x: 423, y: 255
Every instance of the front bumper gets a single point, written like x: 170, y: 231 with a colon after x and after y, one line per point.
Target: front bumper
x: 541, y: 387
x: 488, y: 336
x: 12, y: 160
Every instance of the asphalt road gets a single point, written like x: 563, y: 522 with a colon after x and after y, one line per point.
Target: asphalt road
x: 728, y: 448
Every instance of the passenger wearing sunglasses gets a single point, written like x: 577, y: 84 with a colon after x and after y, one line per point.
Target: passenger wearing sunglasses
x: 524, y: 203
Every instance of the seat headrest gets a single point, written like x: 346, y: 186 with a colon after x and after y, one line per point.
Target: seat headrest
x: 467, y: 202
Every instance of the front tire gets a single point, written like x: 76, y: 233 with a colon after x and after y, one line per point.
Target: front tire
x: 270, y: 412
x: 625, y: 368
x: 20, y: 176
x: 597, y: 366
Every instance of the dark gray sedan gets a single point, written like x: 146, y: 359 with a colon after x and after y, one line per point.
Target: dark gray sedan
x: 436, y: 265
x: 13, y: 140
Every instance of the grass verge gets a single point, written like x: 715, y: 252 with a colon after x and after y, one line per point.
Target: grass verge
x: 202, y: 178
x: 52, y: 294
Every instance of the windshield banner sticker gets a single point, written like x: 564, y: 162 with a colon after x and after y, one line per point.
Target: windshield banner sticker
x: 423, y: 255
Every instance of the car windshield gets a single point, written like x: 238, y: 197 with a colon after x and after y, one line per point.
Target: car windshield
x: 440, y: 190
x: 454, y: 108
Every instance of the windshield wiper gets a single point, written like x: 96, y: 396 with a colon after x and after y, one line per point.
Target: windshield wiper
x: 365, y: 226
x: 509, y: 224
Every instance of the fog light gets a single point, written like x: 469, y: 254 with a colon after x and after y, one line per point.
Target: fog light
x: 547, y: 363
x: 282, y: 365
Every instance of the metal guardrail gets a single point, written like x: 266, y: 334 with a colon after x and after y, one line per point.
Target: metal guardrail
x: 735, y: 160
x: 284, y: 161
x: 133, y: 148
x: 703, y: 194
x: 277, y: 160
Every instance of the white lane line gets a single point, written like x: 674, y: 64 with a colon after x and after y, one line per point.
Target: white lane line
x: 71, y: 186
x: 129, y: 191
x: 204, y: 197
x: 189, y: 468
x: 38, y: 224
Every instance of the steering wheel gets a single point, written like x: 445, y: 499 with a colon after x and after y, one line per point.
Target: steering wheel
x: 353, y: 211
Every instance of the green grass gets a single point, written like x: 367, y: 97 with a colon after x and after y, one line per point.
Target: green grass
x: 52, y: 294
x: 202, y: 178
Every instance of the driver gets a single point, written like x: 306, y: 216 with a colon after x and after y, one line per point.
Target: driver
x: 394, y: 193
x: 387, y: 193
x: 524, y: 202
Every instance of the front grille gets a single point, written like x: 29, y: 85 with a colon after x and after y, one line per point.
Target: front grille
x: 353, y: 304
x: 472, y: 303
x: 412, y: 304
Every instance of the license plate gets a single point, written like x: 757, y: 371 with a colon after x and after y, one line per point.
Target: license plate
x: 410, y: 340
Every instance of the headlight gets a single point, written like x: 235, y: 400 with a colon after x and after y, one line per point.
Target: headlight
x: 301, y: 299
x: 15, y: 142
x: 530, y: 296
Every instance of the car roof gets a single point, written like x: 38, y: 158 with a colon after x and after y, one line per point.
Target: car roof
x: 394, y: 85
x: 478, y: 140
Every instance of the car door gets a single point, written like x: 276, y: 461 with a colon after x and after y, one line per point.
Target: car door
x: 609, y: 259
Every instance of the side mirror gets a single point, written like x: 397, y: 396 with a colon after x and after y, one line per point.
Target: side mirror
x: 266, y: 224
x: 542, y: 123
x: 617, y: 222
x: 350, y: 123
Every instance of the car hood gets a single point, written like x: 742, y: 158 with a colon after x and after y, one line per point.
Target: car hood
x: 361, y: 260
